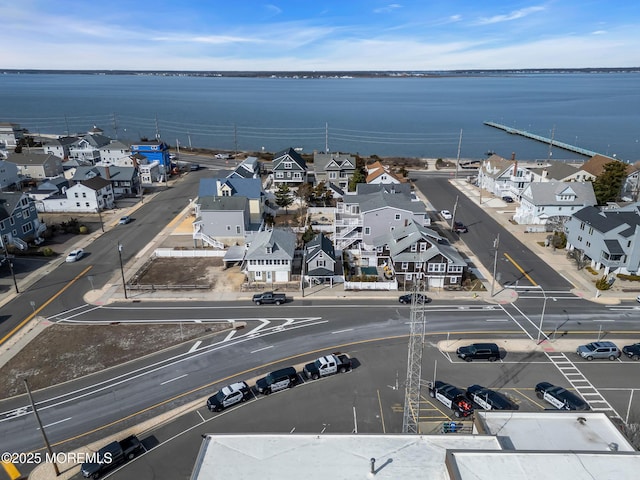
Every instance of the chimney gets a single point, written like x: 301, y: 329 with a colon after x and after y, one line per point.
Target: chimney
x: 107, y: 173
x: 513, y: 156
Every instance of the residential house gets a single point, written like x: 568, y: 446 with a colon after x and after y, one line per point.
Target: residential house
x: 542, y: 202
x: 288, y: 166
x: 555, y: 171
x: 503, y: 177
x: 37, y: 166
x: 249, y: 168
x: 10, y: 134
x: 269, y: 257
x: 221, y: 220
x: 52, y: 186
x: 115, y: 153
x: 60, y: 147
x: 8, y: 174
x: 154, y: 150
x: 86, y: 149
x: 149, y: 172
x: 90, y: 195
x: 19, y: 222
x: 594, y: 167
x: 335, y: 168
x: 251, y: 188
x: 125, y: 180
x: 377, y: 173
x: 321, y: 262
x: 361, y: 218
x: 415, y: 253
x: 610, y: 239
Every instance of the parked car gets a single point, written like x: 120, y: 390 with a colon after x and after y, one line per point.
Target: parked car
x: 459, y: 227
x: 446, y: 214
x: 599, y: 350
x: 224, y: 156
x: 488, y: 399
x: 124, y: 220
x: 632, y: 351
x: 228, y: 396
x: 75, y: 255
x: 112, y: 455
x: 560, y: 398
x: 479, y: 351
x: 194, y: 167
x: 638, y: 299
x: 278, y: 380
x: 406, y: 299
x: 452, y: 397
x: 507, y: 199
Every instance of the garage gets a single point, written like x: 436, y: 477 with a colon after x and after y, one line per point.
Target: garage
x: 282, y: 276
x: 436, y: 282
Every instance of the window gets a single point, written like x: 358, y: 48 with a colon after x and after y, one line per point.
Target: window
x: 423, y: 246
x: 590, y: 230
x: 398, y: 216
x: 228, y: 228
x: 414, y: 248
x: 279, y: 175
x: 436, y: 267
x: 84, y: 194
x: 76, y: 194
x: 27, y: 227
x: 226, y: 193
x: 418, y: 266
x: 269, y: 250
x: 579, y: 238
x: 454, y: 280
x: 86, y: 204
x: 258, y: 275
x: 405, y: 265
x: 455, y: 269
x: 321, y: 263
x: 379, y: 249
x: 238, y: 229
x: 287, y: 165
x: 12, y: 221
x: 588, y: 244
x: 333, y: 175
x: 78, y: 204
x: 408, y: 276
x: 367, y: 230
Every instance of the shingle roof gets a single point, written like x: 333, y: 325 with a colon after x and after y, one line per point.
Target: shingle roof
x: 211, y: 203
x: 95, y: 183
x: 544, y: 193
x: 246, y: 187
x: 30, y: 158
x: 495, y: 165
x: 605, y: 221
x: 115, y: 173
x: 383, y: 199
x: 556, y: 170
x: 8, y: 202
x: 293, y: 155
x: 342, y: 160
x: 281, y: 242
x: 320, y: 243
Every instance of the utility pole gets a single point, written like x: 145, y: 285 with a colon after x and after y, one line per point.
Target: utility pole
x: 124, y: 283
x: 453, y: 217
x: 115, y: 125
x: 458, y: 157
x: 44, y: 435
x: 235, y: 138
x: 326, y: 137
x: 496, y: 244
x: 157, y: 129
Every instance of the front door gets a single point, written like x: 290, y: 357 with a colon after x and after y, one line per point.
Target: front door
x: 269, y: 280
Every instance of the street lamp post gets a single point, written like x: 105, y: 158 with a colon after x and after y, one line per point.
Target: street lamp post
x: 544, y: 306
x: 496, y: 244
x: 100, y: 215
x: 124, y: 284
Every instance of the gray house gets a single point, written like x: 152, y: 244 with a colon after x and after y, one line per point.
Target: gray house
x: 363, y: 217
x: 415, y: 254
x: 8, y: 174
x: 19, y: 221
x: 322, y: 265
x: 124, y: 180
x: 37, y: 166
x: 269, y: 257
x: 289, y: 167
x: 609, y: 238
x: 335, y: 168
x: 221, y: 221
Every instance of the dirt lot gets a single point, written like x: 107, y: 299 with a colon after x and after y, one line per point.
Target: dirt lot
x: 55, y: 355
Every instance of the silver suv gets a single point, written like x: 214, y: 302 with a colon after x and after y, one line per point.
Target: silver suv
x: 599, y: 350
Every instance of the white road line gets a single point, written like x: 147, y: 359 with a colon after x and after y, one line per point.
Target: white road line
x: 174, y: 379
x: 54, y: 423
x: 195, y: 346
x: 342, y: 331
x: 261, y: 349
x: 496, y: 320
x: 230, y: 335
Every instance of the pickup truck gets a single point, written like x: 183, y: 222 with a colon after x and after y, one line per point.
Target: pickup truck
x: 327, y: 365
x: 112, y: 455
x: 269, y: 298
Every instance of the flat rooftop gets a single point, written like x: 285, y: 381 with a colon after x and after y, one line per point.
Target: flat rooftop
x: 552, y: 430
x: 319, y: 457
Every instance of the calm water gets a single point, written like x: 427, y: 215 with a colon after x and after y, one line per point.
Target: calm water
x: 389, y: 116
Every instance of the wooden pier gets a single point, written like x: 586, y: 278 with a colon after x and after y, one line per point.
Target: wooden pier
x: 540, y: 138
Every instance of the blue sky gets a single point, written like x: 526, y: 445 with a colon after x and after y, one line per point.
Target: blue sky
x: 318, y: 34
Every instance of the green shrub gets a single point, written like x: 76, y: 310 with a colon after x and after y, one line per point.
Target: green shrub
x: 591, y: 271
x: 83, y: 230
x: 47, y: 251
x: 603, y: 283
x: 631, y: 278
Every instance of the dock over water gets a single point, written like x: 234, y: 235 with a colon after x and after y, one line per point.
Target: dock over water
x: 540, y: 138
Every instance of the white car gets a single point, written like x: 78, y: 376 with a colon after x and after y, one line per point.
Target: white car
x: 75, y: 255
x: 224, y: 156
x: 446, y: 214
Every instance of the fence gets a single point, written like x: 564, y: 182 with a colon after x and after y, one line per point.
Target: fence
x: 170, y: 252
x: 202, y: 286
x: 371, y: 285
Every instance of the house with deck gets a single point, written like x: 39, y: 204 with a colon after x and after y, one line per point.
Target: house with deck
x: 289, y: 167
x: 333, y: 168
x: 269, y: 256
x: 322, y: 264
x: 19, y: 222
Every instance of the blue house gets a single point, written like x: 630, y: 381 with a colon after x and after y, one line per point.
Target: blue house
x: 154, y: 150
x: 251, y: 188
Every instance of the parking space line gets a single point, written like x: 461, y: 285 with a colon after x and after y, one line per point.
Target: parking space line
x: 384, y: 428
x: 542, y: 407
x: 11, y: 470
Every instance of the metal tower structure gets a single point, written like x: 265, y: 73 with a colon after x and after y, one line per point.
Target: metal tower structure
x: 417, y: 317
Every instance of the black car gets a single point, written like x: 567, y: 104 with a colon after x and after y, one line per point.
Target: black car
x: 228, y: 396
x: 452, y: 397
x: 560, y: 398
x: 488, y: 399
x: 406, y: 299
x: 507, y: 199
x: 459, y: 227
x: 632, y: 351
x: 479, y: 351
x: 278, y: 380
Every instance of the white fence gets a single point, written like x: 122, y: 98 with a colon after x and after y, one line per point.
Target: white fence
x: 170, y: 252
x: 371, y: 285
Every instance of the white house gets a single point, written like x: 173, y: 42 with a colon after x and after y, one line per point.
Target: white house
x: 91, y: 195
x: 542, y: 201
x: 269, y: 257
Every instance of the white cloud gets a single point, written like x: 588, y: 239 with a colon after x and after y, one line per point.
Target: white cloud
x: 599, y: 32
x: 514, y: 15
x: 388, y: 9
x: 273, y: 10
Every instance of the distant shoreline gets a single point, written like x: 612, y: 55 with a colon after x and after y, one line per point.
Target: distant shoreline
x: 331, y: 74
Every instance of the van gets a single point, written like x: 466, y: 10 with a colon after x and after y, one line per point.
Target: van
x: 278, y: 380
x: 479, y: 351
